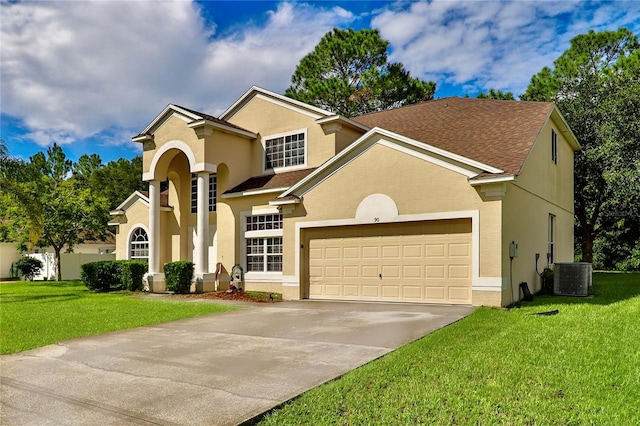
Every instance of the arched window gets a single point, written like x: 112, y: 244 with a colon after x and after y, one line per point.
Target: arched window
x: 139, y: 245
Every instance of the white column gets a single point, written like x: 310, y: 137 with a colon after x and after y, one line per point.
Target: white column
x: 154, y: 226
x: 202, y: 230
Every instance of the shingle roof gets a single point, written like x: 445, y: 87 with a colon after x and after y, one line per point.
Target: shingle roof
x: 164, y: 197
x: 494, y: 132
x: 278, y: 180
x: 212, y: 118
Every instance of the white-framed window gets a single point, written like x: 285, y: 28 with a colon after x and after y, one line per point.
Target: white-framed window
x: 263, y: 243
x: 213, y: 192
x: 139, y: 244
x: 264, y: 254
x: 551, y: 230
x: 286, y: 150
x: 554, y: 146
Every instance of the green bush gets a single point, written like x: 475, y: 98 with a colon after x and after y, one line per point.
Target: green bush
x: 132, y: 273
x: 178, y: 276
x: 29, y: 266
x: 113, y: 275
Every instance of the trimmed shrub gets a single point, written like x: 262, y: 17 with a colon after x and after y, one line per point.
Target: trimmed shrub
x: 29, y: 266
x: 101, y: 276
x: 178, y: 276
x: 113, y: 275
x: 132, y: 273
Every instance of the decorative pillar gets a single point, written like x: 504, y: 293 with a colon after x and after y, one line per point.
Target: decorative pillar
x: 202, y: 237
x: 154, y: 227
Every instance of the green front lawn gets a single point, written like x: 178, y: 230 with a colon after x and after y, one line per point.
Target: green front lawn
x: 34, y: 314
x: 498, y: 366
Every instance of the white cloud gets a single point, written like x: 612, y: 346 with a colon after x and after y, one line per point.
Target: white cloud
x: 479, y: 45
x: 71, y: 70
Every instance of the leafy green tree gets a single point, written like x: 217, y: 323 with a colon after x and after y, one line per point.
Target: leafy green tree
x: 46, y: 206
x: 497, y: 94
x: 29, y: 267
x: 115, y: 181
x: 348, y: 73
x: 596, y: 86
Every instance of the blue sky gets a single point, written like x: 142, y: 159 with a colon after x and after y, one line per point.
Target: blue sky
x: 89, y: 75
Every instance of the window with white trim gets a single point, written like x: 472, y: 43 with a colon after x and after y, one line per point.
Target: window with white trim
x: 285, y: 151
x: 213, y: 188
x: 554, y: 146
x: 263, y: 239
x: 139, y: 244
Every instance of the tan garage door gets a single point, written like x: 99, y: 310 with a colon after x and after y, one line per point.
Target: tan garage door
x: 426, y: 262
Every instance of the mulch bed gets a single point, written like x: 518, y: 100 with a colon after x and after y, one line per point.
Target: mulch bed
x: 236, y: 296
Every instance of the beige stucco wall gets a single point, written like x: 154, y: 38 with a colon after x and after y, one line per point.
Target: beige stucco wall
x: 8, y: 255
x: 541, y: 189
x: 416, y: 186
x: 269, y: 119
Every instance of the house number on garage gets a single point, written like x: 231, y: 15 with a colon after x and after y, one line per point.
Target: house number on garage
x: 376, y: 219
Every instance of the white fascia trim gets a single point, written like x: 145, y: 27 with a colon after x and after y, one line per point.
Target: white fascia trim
x: 276, y: 98
x: 254, y: 192
x: 168, y: 108
x: 474, y: 215
x: 130, y: 200
x: 429, y: 158
x: 228, y: 129
x: 433, y: 149
x: 480, y: 181
x: 116, y: 212
x: 113, y: 223
x: 573, y: 140
x: 142, y: 138
x: 341, y: 119
x: 284, y: 202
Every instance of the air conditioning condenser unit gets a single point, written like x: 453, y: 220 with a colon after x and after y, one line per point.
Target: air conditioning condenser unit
x: 572, y: 279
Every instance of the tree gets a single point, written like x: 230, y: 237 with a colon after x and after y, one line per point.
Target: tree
x: 596, y: 86
x: 51, y: 208
x: 115, y: 181
x: 497, y: 94
x: 348, y: 73
x: 29, y: 267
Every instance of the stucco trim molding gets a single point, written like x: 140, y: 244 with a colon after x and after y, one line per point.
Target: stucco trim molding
x: 194, y: 166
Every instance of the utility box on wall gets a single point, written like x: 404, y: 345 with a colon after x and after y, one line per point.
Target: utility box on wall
x: 572, y: 279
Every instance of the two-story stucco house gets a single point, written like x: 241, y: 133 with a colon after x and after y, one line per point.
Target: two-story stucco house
x: 417, y: 204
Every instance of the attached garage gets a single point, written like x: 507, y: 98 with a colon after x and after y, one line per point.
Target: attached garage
x: 420, y: 262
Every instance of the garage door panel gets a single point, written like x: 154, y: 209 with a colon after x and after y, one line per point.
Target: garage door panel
x: 400, y: 262
x: 434, y: 250
x: 412, y: 292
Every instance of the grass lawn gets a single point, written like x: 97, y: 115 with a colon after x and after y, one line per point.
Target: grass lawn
x: 34, y: 314
x: 498, y: 366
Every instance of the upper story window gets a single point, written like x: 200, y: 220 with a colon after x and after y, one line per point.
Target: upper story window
x: 213, y: 189
x: 285, y: 151
x: 554, y: 146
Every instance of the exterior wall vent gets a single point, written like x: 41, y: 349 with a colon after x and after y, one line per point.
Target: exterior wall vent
x: 572, y: 279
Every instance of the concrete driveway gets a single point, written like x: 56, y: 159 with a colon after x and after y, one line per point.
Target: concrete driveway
x: 222, y: 369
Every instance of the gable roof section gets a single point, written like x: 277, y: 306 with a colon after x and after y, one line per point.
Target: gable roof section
x: 276, y: 98
x: 144, y: 197
x: 268, y: 183
x: 494, y: 132
x: 193, y: 118
x: 375, y: 136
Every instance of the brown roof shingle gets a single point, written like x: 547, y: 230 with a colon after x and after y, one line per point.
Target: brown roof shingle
x: 494, y: 132
x: 278, y: 180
